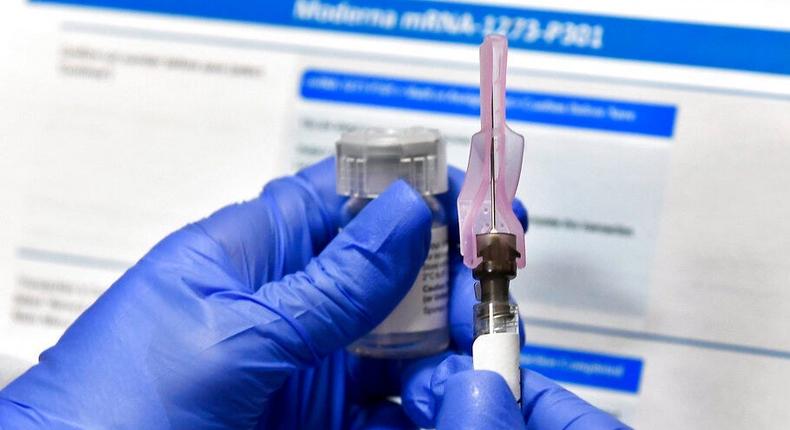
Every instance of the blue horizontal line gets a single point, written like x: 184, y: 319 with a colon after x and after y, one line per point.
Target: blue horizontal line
x: 593, y: 369
x: 655, y: 337
x: 241, y: 43
x: 598, y: 36
x: 535, y: 107
x: 69, y: 259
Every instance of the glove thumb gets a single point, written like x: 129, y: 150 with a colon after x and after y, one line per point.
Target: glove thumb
x: 478, y: 399
x: 354, y: 283
x: 549, y: 406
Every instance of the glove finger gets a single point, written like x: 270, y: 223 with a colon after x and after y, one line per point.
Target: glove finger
x: 321, y: 178
x: 355, y: 282
x: 423, y: 383
x: 521, y: 214
x: 462, y: 299
x: 427, y: 388
x: 548, y: 406
x: 478, y: 400
x: 277, y: 233
x: 449, y: 201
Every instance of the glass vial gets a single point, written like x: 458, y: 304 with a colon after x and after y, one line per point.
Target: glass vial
x: 368, y: 161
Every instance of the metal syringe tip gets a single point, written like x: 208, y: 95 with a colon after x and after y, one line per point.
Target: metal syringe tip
x: 498, y: 253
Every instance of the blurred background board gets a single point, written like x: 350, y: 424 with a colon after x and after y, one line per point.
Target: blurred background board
x: 656, y: 172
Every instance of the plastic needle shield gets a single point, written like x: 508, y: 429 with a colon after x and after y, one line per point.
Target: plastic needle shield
x: 485, y: 204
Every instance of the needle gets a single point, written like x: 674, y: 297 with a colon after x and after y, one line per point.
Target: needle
x: 493, y: 172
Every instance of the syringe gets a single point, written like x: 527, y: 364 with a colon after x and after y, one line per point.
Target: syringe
x: 492, y: 238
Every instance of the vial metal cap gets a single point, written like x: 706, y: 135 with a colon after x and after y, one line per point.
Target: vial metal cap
x: 371, y: 159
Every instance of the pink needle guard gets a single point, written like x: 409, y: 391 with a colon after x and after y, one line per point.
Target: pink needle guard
x: 474, y: 201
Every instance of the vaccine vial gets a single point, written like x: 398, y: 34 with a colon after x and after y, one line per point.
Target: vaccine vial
x: 369, y: 161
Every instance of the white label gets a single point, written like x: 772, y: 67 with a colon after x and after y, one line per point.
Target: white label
x: 425, y: 305
x: 499, y: 352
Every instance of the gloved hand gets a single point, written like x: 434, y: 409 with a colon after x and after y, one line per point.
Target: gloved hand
x: 239, y: 321
x: 451, y: 395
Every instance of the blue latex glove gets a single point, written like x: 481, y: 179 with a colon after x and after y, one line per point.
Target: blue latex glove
x: 239, y: 321
x: 447, y: 394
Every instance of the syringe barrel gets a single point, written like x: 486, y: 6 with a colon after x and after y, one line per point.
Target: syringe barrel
x: 496, y: 345
x: 495, y: 317
x: 495, y: 313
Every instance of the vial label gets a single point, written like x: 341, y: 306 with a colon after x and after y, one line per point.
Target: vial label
x: 425, y: 305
